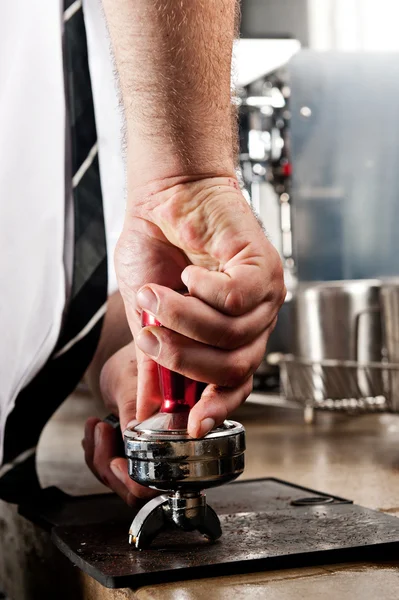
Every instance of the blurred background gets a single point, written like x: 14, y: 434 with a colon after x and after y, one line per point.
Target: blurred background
x: 340, y: 121
x: 319, y: 153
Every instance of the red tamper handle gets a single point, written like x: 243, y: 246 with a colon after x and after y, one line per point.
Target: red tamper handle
x: 179, y: 393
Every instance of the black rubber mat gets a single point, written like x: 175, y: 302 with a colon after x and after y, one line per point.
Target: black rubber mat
x: 266, y: 524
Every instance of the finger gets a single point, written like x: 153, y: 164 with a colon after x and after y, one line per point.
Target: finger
x: 197, y: 320
x: 100, y: 434
x: 215, y: 405
x: 118, y: 382
x: 199, y: 361
x: 130, y: 386
x: 148, y: 395
x: 239, y: 288
x: 88, y: 440
x: 104, y: 454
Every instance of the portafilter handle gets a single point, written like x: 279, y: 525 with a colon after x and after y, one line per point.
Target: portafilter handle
x: 179, y: 393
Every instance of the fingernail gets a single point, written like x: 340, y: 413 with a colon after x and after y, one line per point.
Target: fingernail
x: 148, y: 343
x: 97, y: 435
x: 184, y: 278
x: 206, y: 426
x: 147, y: 299
x: 116, y: 471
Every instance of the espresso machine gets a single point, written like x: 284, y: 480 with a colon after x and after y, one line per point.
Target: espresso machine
x: 162, y: 456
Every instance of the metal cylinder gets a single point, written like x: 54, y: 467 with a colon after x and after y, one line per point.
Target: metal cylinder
x: 340, y: 320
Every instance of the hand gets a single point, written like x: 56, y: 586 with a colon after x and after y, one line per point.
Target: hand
x: 204, y: 235
x: 118, y: 382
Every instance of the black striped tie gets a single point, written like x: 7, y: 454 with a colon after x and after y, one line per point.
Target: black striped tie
x: 83, y: 319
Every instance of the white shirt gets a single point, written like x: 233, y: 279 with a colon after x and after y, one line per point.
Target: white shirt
x: 35, y: 219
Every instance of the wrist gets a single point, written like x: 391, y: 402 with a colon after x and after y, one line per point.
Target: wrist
x: 156, y: 192
x: 162, y: 164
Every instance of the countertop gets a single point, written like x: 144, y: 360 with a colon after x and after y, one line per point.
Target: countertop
x: 353, y: 457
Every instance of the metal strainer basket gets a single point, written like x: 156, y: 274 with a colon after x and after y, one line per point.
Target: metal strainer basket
x: 346, y: 346
x: 340, y: 385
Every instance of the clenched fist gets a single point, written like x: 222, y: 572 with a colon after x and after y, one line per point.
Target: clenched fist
x: 203, y: 237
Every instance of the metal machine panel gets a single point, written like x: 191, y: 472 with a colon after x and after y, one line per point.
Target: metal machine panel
x: 345, y: 156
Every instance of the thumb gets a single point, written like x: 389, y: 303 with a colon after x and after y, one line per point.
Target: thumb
x: 149, y: 397
x: 148, y: 394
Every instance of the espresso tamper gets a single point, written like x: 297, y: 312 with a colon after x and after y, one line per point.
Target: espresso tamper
x: 162, y: 456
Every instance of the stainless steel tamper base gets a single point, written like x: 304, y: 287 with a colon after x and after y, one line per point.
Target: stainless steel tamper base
x: 169, y: 460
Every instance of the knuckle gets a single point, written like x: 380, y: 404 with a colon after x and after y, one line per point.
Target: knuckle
x: 169, y: 314
x: 213, y: 402
x: 277, y: 291
x: 280, y: 291
x: 231, y: 336
x: 234, y: 303
x: 175, y: 360
x: 272, y: 327
x: 240, y: 369
x: 275, y: 265
x: 248, y: 388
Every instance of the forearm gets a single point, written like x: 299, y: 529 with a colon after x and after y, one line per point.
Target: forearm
x: 174, y: 63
